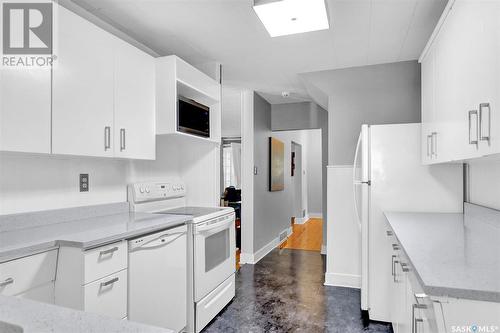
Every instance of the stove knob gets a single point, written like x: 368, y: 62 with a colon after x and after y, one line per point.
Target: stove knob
x: 141, y: 189
x: 147, y: 189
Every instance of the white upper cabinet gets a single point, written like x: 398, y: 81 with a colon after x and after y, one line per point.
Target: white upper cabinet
x: 134, y: 126
x: 25, y: 120
x: 176, y: 78
x: 82, y: 110
x: 461, y: 84
x: 103, y: 93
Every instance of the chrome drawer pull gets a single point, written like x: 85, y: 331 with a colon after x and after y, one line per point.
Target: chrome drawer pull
x: 389, y: 233
x: 107, y: 283
x: 395, y: 247
x: 6, y: 282
x: 109, y: 251
x: 473, y: 140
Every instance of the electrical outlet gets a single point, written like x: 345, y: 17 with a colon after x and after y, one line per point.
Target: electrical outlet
x: 84, y: 182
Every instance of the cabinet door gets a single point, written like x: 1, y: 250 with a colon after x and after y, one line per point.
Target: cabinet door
x: 485, y: 27
x: 82, y: 108
x: 25, y: 110
x: 134, y: 103
x: 427, y: 105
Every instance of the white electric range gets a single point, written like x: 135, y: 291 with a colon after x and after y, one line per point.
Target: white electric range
x: 211, y: 247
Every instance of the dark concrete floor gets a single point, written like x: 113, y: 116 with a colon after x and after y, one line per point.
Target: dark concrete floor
x: 284, y: 292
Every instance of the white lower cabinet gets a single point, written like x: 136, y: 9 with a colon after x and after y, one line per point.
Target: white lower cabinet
x: 30, y: 277
x: 107, y: 296
x: 412, y: 311
x: 93, y: 280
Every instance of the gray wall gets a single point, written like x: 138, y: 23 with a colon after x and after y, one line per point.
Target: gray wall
x: 380, y: 94
x: 306, y: 115
x: 271, y: 215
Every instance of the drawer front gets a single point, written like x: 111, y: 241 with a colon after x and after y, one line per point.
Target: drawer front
x: 213, y: 303
x: 21, y: 275
x: 105, y: 260
x: 107, y: 296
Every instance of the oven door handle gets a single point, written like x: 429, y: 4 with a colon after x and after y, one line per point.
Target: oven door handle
x: 213, y: 228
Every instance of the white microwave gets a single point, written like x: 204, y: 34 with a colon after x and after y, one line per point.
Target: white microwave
x: 193, y: 117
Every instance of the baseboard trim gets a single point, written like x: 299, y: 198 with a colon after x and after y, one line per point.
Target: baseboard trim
x: 343, y: 280
x: 263, y: 251
x: 323, y: 249
x: 315, y: 215
x: 301, y: 220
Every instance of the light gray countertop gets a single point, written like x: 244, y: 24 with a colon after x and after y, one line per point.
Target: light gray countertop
x: 20, y: 238
x: 456, y: 255
x: 35, y: 317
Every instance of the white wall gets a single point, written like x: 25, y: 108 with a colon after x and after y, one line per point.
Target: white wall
x: 485, y: 183
x: 231, y: 111
x: 314, y: 173
x: 31, y: 182
x: 41, y: 182
x: 343, y: 266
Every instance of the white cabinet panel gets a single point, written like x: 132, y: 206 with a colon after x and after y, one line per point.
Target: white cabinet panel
x: 134, y: 130
x: 25, y: 110
x: 107, y: 296
x: 461, y: 72
x: 104, y: 260
x: 82, y: 93
x: 21, y: 275
x: 43, y: 293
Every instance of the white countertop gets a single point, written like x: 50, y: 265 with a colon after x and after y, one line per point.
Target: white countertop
x: 35, y: 317
x: 84, y: 234
x: 453, y: 255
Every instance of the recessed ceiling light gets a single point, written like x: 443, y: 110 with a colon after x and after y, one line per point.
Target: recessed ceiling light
x: 287, y: 17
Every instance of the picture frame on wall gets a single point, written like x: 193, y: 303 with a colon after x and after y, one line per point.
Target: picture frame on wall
x: 276, y: 165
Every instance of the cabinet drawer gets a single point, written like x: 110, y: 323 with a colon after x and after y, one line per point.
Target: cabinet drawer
x: 104, y: 260
x: 18, y: 276
x: 107, y: 296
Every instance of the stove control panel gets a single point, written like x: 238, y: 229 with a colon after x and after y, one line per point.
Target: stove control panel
x: 151, y: 191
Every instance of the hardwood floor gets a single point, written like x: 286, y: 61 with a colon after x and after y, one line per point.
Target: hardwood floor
x: 307, y: 236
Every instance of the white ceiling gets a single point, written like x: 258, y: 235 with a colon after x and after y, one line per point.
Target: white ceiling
x: 362, y: 32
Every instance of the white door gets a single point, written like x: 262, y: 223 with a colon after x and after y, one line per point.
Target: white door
x: 214, y: 254
x: 361, y: 189
x: 25, y: 109
x: 82, y: 110
x: 134, y: 130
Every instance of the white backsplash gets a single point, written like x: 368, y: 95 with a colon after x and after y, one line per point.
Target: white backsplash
x: 485, y: 183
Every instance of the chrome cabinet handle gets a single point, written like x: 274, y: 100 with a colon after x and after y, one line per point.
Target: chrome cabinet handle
x: 404, y: 267
x: 394, y: 275
x: 122, y: 139
x: 429, y: 145
x: 107, y: 283
x: 395, y: 247
x: 107, y: 137
x: 472, y: 141
x: 434, y: 144
x: 6, y: 282
x: 389, y: 233
x: 108, y: 251
x: 392, y: 264
x: 484, y: 113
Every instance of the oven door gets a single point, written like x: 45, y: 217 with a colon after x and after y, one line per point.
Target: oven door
x: 214, y: 254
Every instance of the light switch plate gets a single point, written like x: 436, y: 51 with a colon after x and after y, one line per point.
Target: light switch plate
x: 84, y: 182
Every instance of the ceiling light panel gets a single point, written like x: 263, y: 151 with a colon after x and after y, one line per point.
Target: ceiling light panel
x: 287, y: 17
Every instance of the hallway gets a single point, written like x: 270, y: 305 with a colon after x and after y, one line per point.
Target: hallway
x: 284, y: 292
x: 307, y: 236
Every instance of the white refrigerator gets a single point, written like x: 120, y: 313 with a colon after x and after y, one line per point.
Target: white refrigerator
x: 388, y: 176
